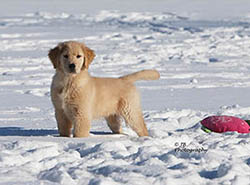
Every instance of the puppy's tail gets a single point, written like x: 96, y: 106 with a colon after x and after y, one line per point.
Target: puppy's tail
x: 142, y: 75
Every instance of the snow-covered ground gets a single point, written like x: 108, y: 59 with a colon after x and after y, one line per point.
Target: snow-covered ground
x: 201, y: 49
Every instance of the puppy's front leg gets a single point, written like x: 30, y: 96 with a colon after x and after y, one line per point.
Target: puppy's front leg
x: 81, y: 123
x: 81, y: 127
x: 63, y: 123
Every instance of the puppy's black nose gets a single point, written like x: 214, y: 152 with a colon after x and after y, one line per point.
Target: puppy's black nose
x: 72, y: 66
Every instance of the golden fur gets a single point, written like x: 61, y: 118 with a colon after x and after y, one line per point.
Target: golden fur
x: 79, y: 98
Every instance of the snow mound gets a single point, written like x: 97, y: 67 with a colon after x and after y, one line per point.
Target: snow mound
x: 177, y: 149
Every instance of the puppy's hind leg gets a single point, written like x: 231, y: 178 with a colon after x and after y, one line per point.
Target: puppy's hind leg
x: 132, y: 114
x: 114, y: 122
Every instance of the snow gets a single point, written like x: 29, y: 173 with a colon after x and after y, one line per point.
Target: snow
x: 202, y: 54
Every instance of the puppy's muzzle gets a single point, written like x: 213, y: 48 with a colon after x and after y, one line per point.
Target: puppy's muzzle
x: 72, y: 67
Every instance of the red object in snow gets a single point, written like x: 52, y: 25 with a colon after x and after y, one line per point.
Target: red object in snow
x: 226, y: 124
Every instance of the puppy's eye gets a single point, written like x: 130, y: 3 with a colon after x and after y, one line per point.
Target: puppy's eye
x: 66, y: 56
x: 79, y: 56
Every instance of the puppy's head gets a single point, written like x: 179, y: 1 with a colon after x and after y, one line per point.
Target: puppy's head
x: 71, y: 57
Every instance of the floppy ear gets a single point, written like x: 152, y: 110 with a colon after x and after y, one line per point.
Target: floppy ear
x: 89, y: 55
x: 54, y: 55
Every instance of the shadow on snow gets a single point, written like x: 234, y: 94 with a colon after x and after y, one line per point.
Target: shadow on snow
x: 20, y: 131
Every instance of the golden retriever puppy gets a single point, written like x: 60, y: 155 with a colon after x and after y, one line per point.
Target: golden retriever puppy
x: 79, y: 98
